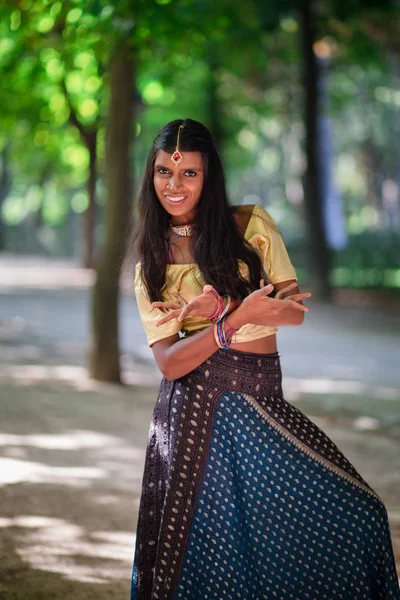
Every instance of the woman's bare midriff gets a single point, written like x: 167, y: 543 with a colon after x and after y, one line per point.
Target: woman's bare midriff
x: 265, y: 345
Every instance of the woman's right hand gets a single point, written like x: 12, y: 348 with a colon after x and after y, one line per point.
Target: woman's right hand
x: 203, y: 306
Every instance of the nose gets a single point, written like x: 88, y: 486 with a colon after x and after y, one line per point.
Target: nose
x: 175, y: 181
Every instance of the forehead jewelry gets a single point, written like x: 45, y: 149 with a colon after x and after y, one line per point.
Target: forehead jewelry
x: 176, y: 156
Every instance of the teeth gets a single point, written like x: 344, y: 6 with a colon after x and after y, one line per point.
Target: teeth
x: 175, y: 198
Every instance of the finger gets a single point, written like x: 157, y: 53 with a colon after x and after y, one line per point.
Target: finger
x: 298, y: 297
x: 286, y: 289
x: 298, y: 306
x: 262, y: 283
x: 182, y: 300
x: 267, y: 289
x: 207, y: 288
x: 172, y: 305
x: 277, y: 305
x: 186, y: 311
x: 179, y: 299
x: 171, y: 315
x: 289, y: 287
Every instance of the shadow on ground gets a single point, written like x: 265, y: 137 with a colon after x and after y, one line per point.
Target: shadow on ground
x: 70, y: 474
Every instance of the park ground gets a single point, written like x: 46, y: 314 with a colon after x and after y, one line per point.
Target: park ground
x: 72, y: 449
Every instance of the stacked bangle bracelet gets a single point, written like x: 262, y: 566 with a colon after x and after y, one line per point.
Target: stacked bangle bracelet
x: 223, y: 333
x: 221, y: 309
x: 218, y: 297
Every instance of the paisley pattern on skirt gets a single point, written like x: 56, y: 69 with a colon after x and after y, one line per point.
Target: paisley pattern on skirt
x: 245, y: 498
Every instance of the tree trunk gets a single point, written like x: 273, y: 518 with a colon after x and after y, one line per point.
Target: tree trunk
x: 89, y: 216
x: 5, y: 186
x: 104, y: 358
x: 319, y: 254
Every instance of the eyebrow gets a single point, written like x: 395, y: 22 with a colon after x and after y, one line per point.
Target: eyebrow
x: 186, y: 168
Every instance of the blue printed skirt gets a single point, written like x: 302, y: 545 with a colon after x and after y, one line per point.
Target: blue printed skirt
x: 245, y: 498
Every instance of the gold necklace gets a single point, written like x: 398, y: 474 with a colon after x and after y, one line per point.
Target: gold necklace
x: 182, y: 230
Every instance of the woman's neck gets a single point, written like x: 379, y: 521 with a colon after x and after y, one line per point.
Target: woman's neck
x: 184, y: 219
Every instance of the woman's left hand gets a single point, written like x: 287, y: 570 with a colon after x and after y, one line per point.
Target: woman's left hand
x: 203, y: 305
x: 284, y: 293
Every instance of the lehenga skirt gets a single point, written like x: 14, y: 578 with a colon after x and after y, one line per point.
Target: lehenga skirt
x: 245, y: 498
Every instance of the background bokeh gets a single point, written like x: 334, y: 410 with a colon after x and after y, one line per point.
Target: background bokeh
x: 239, y: 68
x: 303, y: 100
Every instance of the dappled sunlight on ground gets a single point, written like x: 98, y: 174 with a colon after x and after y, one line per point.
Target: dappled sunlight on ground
x: 356, y: 404
x: 53, y: 545
x: 366, y: 424
x: 71, y: 464
x: 99, y: 456
x: 14, y: 470
x: 69, y: 440
x: 298, y: 387
x: 77, y: 377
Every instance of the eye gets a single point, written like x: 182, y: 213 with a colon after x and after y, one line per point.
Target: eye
x: 162, y: 171
x: 190, y: 173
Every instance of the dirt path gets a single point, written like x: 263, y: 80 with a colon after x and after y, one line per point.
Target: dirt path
x: 70, y: 469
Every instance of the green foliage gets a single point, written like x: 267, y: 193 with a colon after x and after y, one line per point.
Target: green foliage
x: 233, y: 65
x: 371, y: 260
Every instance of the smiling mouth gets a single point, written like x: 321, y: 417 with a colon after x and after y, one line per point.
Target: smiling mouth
x: 175, y: 199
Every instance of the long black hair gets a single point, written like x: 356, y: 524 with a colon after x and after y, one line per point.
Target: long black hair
x: 218, y: 242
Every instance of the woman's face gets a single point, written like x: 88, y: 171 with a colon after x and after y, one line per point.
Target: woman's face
x: 178, y: 187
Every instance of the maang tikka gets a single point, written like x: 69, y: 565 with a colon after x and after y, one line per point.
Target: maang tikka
x: 177, y: 157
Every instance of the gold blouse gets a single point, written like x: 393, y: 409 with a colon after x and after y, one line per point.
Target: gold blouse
x: 187, y: 280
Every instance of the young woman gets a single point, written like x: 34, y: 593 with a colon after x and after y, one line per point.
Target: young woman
x: 243, y: 496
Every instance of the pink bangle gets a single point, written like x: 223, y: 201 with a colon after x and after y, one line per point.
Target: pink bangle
x: 218, y: 297
x: 231, y: 330
x: 230, y: 326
